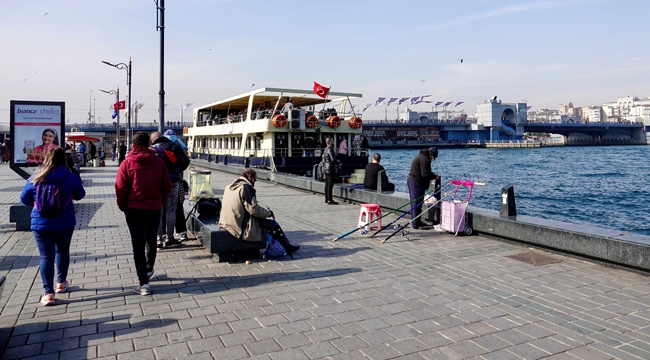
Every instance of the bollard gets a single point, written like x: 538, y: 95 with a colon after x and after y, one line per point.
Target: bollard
x: 508, y: 207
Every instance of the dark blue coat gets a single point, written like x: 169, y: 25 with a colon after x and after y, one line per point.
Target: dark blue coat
x: 70, y: 185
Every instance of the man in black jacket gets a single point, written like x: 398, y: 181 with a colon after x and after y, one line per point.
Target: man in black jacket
x: 419, y: 180
x: 329, y: 169
x: 372, y: 175
x: 177, y: 161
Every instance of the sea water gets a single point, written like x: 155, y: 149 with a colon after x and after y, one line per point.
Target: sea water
x: 604, y: 186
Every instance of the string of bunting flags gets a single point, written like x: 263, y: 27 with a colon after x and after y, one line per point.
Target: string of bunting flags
x: 413, y: 101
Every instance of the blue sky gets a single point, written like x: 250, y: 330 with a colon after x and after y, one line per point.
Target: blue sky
x: 546, y: 52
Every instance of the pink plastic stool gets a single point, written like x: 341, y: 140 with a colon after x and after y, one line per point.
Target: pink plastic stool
x: 367, y: 214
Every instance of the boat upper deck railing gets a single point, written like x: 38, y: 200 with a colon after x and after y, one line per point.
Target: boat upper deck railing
x: 267, y: 115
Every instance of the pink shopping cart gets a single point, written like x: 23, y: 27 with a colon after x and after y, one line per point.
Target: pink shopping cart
x: 453, y: 212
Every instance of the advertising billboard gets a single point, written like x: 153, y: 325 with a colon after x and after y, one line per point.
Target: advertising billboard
x: 37, y: 127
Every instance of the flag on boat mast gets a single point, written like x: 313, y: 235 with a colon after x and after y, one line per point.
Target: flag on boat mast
x: 320, y: 90
x: 366, y: 107
x: 379, y: 101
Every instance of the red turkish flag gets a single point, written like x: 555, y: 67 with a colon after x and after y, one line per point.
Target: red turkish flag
x: 320, y: 90
x: 120, y: 105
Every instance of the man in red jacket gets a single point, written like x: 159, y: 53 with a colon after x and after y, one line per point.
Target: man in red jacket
x: 141, y: 186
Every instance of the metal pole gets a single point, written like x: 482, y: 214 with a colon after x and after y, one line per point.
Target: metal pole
x: 117, y: 100
x: 128, y: 117
x: 161, y: 110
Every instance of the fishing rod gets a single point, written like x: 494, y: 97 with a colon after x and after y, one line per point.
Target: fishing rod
x: 379, y: 218
x: 458, y: 185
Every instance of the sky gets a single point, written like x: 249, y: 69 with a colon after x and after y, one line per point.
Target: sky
x: 545, y: 53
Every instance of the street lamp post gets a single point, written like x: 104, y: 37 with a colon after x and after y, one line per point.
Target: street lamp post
x: 160, y: 15
x: 123, y: 66
x: 117, y: 100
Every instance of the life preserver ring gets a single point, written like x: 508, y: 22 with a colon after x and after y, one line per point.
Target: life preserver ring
x: 334, y: 121
x: 311, y: 121
x: 355, y: 122
x: 279, y: 120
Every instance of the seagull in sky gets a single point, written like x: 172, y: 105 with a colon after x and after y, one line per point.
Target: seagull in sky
x: 44, y: 14
x: 423, y: 80
x: 253, y: 85
x: 461, y: 60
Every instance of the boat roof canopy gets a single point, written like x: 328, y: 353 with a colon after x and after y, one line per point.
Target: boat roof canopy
x: 264, y: 96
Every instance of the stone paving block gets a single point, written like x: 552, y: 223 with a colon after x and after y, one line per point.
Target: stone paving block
x: 230, y: 353
x: 20, y: 352
x: 118, y: 347
x: 320, y: 335
x: 320, y: 350
x: 237, y: 338
x: 173, y: 351
x: 80, y: 353
x: 215, y: 330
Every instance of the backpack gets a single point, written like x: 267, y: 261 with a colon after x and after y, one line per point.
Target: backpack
x: 174, y: 165
x: 49, y: 200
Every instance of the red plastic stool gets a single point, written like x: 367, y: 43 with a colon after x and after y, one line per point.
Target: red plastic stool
x: 367, y: 214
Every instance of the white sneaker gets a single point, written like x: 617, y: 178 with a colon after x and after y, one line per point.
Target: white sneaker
x: 182, y: 237
x: 142, y: 289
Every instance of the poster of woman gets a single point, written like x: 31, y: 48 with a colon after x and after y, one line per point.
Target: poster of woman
x: 49, y: 139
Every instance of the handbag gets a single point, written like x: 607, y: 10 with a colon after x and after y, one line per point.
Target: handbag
x: 273, y: 248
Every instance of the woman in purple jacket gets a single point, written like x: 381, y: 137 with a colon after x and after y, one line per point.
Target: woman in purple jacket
x: 53, y: 233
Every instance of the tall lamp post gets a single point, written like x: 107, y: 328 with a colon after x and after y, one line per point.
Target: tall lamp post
x: 117, y: 99
x: 123, y: 66
x: 160, y: 25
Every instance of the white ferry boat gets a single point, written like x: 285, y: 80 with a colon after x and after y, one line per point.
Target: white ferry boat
x: 280, y: 129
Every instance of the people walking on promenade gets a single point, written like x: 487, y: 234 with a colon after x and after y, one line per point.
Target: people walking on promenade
x: 176, y: 161
x: 52, y: 225
x: 243, y: 217
x: 418, y: 181
x: 114, y: 151
x: 121, y: 153
x: 142, y: 185
x: 81, y: 150
x: 3, y: 149
x: 330, y: 167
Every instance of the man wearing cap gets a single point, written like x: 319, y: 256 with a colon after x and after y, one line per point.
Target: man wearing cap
x: 171, y: 135
x: 418, y: 181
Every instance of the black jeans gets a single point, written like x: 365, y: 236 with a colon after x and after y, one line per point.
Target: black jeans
x: 143, y: 226
x: 329, y: 185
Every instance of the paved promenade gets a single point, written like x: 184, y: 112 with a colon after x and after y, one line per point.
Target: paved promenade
x: 433, y: 296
